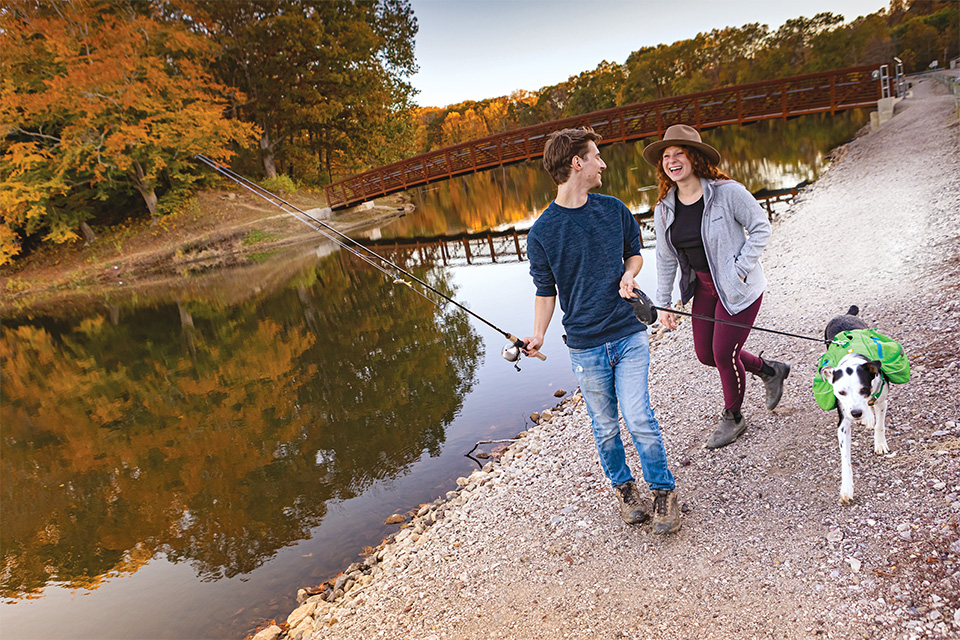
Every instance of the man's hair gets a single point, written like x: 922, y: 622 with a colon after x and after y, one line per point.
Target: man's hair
x: 562, y: 146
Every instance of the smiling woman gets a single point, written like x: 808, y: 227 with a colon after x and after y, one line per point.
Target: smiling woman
x: 711, y: 230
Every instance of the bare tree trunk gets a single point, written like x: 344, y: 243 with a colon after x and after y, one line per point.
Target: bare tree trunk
x: 146, y: 190
x: 89, y: 237
x: 269, y: 164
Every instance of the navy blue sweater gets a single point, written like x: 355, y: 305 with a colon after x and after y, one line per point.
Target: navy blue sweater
x: 580, y: 252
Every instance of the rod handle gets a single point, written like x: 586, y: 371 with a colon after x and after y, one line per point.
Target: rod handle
x: 519, y: 344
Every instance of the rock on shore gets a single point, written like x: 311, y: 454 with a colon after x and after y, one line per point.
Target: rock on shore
x: 532, y: 547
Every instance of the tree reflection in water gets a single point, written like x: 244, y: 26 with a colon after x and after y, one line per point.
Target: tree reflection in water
x: 769, y: 154
x: 216, y: 435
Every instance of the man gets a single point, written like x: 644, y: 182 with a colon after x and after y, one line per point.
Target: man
x: 587, y: 247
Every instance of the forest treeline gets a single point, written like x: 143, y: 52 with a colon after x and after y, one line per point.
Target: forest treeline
x: 917, y: 32
x: 103, y: 103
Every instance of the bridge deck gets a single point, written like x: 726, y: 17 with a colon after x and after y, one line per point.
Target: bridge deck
x: 826, y: 92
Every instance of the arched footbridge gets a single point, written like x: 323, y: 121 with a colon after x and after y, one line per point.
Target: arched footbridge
x: 825, y: 92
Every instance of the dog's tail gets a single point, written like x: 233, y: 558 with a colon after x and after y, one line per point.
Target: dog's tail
x: 853, y: 310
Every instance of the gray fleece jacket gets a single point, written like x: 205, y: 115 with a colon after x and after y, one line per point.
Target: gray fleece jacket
x: 729, y: 210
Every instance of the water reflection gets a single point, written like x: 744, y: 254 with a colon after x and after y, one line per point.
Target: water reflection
x: 255, y: 427
x: 770, y: 154
x: 216, y: 435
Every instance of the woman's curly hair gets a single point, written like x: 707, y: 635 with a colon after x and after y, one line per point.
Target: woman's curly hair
x: 701, y: 168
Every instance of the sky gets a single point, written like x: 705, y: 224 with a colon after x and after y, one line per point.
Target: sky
x: 477, y: 49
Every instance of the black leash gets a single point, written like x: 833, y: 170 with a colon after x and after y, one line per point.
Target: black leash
x: 644, y: 309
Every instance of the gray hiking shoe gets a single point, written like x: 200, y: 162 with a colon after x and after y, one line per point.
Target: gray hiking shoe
x: 631, y: 504
x: 773, y: 384
x: 727, y: 431
x: 666, y: 513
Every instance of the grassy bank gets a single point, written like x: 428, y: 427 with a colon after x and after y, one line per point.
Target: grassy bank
x: 216, y: 231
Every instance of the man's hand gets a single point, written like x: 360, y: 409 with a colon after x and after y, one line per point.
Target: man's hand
x: 532, y: 345
x: 627, y: 285
x: 631, y: 267
x: 669, y: 320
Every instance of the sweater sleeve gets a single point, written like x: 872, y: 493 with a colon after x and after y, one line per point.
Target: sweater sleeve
x: 666, y: 261
x: 751, y: 215
x: 540, y: 271
x: 631, y: 233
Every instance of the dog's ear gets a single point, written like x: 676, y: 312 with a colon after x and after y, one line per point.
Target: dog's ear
x: 873, y: 367
x: 827, y: 374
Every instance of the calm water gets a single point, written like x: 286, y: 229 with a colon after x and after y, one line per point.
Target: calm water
x: 178, y: 467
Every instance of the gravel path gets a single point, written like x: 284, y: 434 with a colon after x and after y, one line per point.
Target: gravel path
x: 532, y: 546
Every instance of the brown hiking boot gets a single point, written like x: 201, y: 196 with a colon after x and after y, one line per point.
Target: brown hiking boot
x: 666, y: 513
x: 773, y: 384
x: 727, y: 431
x: 631, y: 504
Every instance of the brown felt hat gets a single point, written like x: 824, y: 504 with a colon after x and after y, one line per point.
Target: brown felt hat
x: 679, y: 135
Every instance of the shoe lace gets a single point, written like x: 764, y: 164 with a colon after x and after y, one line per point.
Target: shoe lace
x: 660, y: 503
x: 626, y: 494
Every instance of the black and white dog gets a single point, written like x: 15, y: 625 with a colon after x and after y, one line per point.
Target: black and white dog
x: 861, y: 393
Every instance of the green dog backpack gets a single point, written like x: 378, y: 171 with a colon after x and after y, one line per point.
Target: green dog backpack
x: 869, y: 343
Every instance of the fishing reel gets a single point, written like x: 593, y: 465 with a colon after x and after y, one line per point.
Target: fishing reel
x: 512, y: 353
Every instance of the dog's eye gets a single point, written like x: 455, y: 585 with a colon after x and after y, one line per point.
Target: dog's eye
x: 841, y: 393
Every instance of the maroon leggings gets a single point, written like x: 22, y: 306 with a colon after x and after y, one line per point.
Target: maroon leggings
x: 720, y: 345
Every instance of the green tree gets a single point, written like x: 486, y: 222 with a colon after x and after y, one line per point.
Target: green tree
x: 99, y: 98
x: 594, y: 90
x: 327, y: 75
x: 788, y: 50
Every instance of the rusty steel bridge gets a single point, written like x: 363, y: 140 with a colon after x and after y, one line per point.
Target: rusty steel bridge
x: 826, y: 92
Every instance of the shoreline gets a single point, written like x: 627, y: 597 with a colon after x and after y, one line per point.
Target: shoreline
x: 533, y: 547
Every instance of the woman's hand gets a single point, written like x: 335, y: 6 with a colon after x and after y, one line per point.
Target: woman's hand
x: 669, y: 320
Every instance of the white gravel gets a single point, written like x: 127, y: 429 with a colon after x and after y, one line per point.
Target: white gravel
x: 533, y: 547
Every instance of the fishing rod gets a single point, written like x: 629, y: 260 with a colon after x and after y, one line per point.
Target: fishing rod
x: 644, y: 309
x: 510, y: 352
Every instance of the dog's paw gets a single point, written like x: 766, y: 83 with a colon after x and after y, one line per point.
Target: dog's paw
x: 846, y: 495
x: 881, y: 448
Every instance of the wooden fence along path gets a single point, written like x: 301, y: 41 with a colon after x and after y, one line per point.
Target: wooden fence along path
x: 826, y: 92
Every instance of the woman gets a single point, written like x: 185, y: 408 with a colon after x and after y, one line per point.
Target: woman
x: 713, y: 230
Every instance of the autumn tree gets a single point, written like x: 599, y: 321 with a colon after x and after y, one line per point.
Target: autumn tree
x: 98, y: 98
x: 326, y: 75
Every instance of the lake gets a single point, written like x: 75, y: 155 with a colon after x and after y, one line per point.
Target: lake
x: 178, y: 467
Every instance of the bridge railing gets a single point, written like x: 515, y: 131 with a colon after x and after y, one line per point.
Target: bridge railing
x: 826, y: 92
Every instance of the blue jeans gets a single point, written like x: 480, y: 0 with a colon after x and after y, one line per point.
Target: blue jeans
x: 618, y: 371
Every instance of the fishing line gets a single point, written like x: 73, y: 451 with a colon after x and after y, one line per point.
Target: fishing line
x: 511, y: 352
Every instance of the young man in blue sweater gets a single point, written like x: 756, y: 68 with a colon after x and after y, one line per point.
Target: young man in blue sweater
x: 586, y: 246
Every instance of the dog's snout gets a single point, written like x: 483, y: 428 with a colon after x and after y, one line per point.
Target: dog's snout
x: 856, y: 413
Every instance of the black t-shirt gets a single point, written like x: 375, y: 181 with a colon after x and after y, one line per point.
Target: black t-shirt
x: 686, y: 234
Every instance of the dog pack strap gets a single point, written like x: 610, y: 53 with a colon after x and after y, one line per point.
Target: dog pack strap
x: 875, y: 396
x: 893, y: 362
